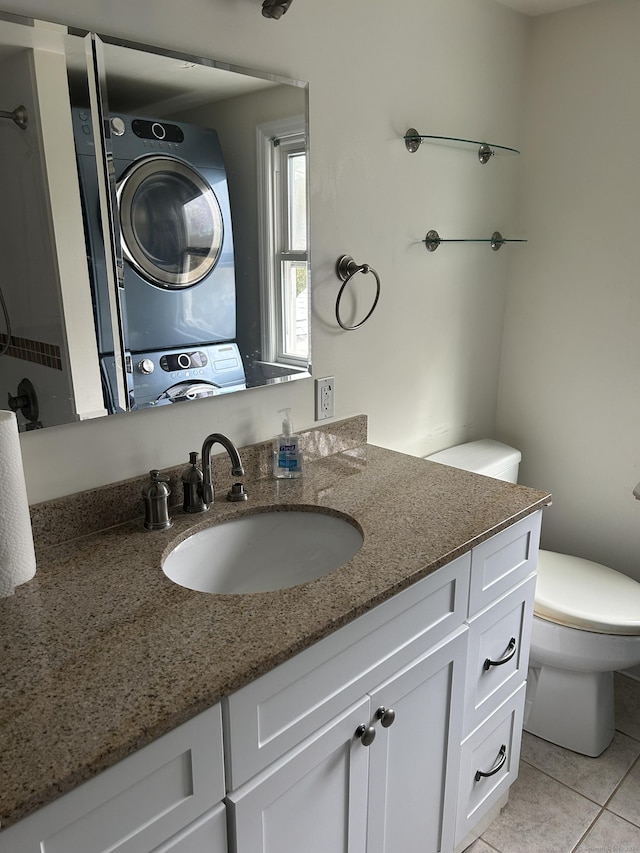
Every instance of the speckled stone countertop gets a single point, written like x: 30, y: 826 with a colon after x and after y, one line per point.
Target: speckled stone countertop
x: 101, y: 653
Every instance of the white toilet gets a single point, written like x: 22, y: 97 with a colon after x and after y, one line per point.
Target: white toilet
x: 586, y: 626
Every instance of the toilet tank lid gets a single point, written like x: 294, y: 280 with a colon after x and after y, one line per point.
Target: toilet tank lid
x: 485, y: 456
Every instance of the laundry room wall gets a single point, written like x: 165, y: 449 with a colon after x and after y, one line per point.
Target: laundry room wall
x: 425, y: 366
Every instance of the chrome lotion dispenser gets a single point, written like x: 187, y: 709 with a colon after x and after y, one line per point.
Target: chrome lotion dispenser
x: 156, y: 502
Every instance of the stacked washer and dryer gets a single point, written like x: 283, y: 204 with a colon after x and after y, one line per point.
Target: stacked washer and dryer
x: 176, y: 299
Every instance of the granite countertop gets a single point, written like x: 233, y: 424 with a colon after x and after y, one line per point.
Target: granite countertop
x: 102, y: 653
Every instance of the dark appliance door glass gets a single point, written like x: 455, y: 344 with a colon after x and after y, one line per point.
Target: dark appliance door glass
x: 171, y: 222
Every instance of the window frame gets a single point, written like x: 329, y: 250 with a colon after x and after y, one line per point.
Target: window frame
x: 275, y: 140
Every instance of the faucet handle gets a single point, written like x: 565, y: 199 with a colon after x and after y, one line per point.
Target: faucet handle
x: 237, y: 493
x: 192, y: 480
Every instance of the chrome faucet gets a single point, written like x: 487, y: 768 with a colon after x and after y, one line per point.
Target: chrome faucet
x: 237, y: 492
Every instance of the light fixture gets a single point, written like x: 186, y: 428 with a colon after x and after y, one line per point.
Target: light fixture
x: 275, y: 8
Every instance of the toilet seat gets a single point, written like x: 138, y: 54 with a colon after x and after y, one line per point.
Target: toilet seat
x: 580, y: 594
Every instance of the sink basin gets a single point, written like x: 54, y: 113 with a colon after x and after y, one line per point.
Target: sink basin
x: 263, y: 551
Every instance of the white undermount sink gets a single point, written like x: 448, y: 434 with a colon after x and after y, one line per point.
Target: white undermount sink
x: 263, y: 551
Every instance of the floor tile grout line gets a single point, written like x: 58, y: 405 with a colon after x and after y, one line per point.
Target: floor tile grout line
x: 490, y: 846
x: 601, y: 807
x: 564, y: 784
x: 588, y: 829
x: 626, y: 820
x: 580, y: 793
x: 621, y: 783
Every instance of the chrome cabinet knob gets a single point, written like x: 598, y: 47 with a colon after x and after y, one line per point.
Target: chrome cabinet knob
x: 386, y: 716
x: 367, y: 734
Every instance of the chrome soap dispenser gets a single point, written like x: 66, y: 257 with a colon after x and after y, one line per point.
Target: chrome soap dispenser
x: 156, y: 502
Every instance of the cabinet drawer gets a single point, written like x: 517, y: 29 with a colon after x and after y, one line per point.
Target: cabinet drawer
x: 503, y: 561
x: 493, y: 748
x: 277, y: 711
x: 138, y: 803
x: 502, y: 632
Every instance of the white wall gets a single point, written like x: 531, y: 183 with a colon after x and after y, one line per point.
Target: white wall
x: 571, y: 361
x: 425, y: 366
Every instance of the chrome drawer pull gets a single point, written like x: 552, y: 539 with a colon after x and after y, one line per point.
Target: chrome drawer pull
x: 502, y: 757
x: 367, y: 734
x: 511, y: 650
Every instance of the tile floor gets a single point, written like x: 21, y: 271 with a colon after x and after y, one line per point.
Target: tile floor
x: 563, y: 802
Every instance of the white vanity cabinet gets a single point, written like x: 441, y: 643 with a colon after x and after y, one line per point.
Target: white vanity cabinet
x: 400, y: 731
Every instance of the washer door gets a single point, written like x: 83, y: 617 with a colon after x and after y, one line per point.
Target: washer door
x: 171, y: 222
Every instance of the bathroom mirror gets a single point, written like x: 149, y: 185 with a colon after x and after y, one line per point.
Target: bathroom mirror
x: 193, y: 277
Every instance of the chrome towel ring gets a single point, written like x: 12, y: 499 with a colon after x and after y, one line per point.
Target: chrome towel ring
x: 346, y: 269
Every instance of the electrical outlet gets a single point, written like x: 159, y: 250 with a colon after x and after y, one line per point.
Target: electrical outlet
x: 324, y: 398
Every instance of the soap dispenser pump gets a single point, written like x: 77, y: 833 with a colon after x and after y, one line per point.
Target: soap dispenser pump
x: 287, y: 458
x: 156, y: 502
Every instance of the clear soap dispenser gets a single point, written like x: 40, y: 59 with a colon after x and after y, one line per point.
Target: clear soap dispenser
x: 287, y: 457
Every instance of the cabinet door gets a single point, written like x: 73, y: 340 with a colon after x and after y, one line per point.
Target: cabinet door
x: 314, y: 799
x: 414, y: 762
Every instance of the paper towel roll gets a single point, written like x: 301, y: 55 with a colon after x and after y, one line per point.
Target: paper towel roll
x: 17, y: 555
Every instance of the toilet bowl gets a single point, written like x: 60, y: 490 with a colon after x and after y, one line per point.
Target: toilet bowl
x: 586, y: 626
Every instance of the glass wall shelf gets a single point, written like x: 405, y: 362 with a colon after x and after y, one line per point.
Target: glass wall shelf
x: 485, y: 150
x: 496, y: 241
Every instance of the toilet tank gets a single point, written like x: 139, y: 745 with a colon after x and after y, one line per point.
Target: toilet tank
x: 488, y: 457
